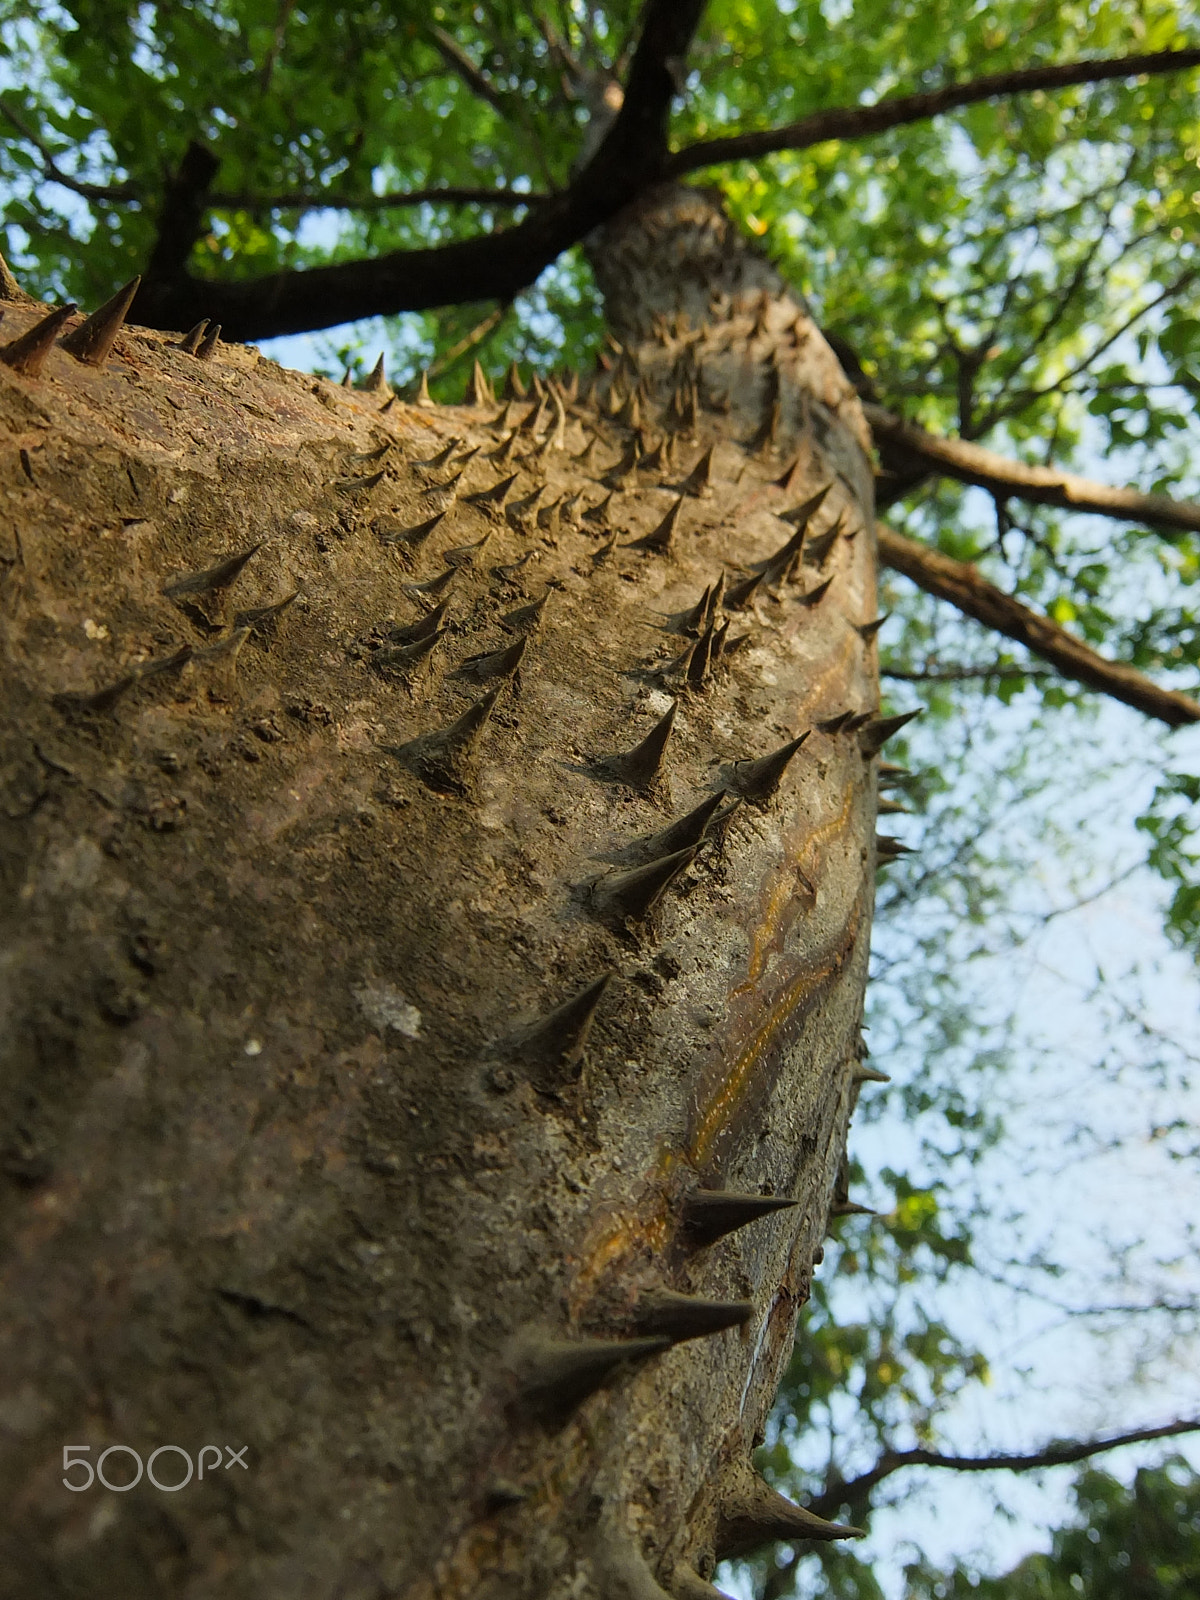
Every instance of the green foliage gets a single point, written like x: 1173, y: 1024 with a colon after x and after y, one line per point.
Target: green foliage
x: 1172, y: 822
x: 1128, y: 1542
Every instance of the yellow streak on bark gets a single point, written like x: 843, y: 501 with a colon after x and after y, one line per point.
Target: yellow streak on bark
x: 723, y: 1104
x: 781, y: 896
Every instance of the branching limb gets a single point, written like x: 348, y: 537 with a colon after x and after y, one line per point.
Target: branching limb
x: 495, y: 267
x: 970, y: 463
x: 897, y: 111
x: 960, y: 584
x: 779, y: 1581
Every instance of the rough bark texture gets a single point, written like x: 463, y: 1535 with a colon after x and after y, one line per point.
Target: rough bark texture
x: 290, y: 1163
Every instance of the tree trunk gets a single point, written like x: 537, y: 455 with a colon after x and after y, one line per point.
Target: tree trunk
x: 302, y: 1157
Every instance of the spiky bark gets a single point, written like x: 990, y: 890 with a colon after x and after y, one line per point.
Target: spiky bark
x: 384, y: 1000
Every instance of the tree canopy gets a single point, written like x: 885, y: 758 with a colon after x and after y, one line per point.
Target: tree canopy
x: 995, y: 214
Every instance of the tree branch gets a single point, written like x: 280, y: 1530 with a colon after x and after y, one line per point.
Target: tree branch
x: 316, y: 200
x: 970, y: 463
x: 456, y: 58
x: 896, y: 111
x: 495, y: 267
x: 181, y: 215
x: 998, y: 671
x: 960, y: 584
x: 103, y: 193
x: 1053, y: 1455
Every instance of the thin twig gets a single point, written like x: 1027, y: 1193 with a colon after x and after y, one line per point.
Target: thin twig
x: 455, y: 57
x: 468, y: 342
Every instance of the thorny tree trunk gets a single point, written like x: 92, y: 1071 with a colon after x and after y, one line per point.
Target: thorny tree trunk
x: 289, y: 1163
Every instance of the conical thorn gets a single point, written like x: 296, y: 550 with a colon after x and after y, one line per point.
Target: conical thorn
x: 556, y: 1041
x: 376, y: 380
x: 556, y: 1375
x: 27, y: 353
x: 876, y: 734
x: 409, y: 658
x: 709, y: 1214
x: 640, y: 765
x: 754, y: 1514
x: 190, y: 342
x: 633, y: 895
x: 495, y: 663
x: 212, y: 578
x: 688, y: 1316
x: 658, y: 540
x: 688, y: 830
x: 757, y: 780
x: 409, y: 633
x: 207, y: 347
x: 93, y: 339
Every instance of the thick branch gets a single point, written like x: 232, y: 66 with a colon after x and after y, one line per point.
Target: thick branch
x: 1054, y: 1455
x: 181, y: 216
x: 494, y: 267
x: 856, y: 122
x: 960, y: 584
x: 970, y: 463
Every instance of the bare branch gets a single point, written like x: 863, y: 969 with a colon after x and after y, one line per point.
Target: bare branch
x: 897, y: 111
x: 960, y: 584
x: 455, y: 57
x: 1053, y: 1455
x: 317, y: 200
x: 970, y: 463
x: 102, y: 193
x: 995, y: 672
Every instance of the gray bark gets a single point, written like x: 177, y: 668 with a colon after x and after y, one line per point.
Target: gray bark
x: 291, y: 1160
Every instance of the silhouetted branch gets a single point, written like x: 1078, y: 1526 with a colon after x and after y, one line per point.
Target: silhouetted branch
x: 455, y: 57
x: 857, y: 122
x: 960, y: 584
x: 997, y: 672
x: 316, y: 200
x: 1063, y: 1454
x: 103, y: 193
x: 181, y: 215
x: 494, y: 267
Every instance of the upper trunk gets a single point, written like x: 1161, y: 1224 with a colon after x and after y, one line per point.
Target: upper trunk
x: 292, y: 1164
